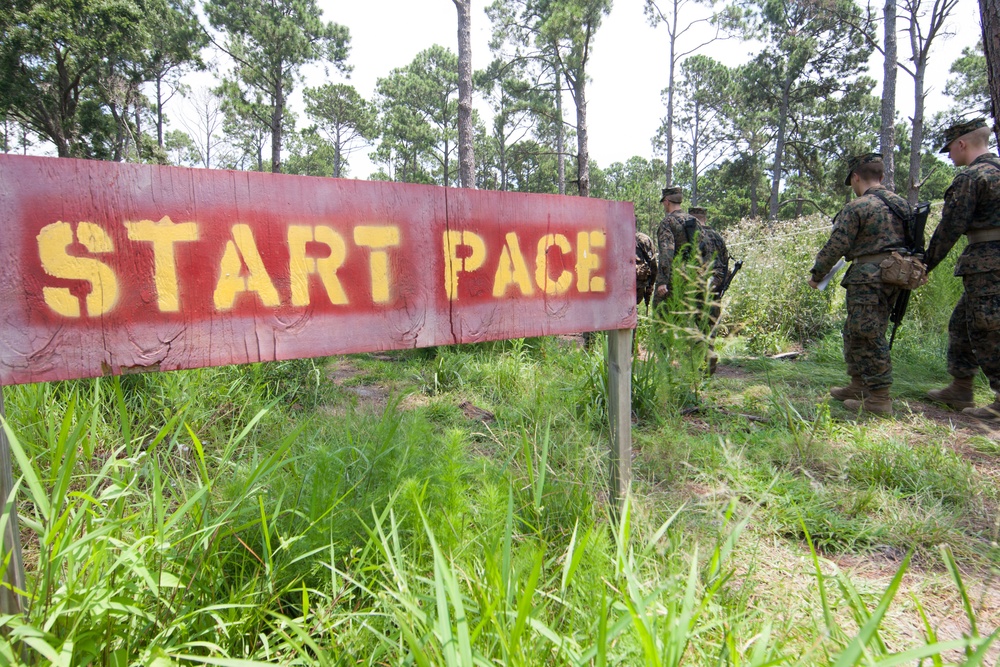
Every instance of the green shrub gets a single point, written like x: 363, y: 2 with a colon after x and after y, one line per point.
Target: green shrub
x: 770, y: 302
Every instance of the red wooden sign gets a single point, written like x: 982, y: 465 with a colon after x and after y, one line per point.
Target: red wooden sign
x: 110, y: 268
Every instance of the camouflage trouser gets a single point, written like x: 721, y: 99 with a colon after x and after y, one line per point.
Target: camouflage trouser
x: 974, y: 329
x: 866, y: 350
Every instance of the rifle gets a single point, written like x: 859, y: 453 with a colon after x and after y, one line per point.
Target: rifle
x: 915, y: 244
x: 729, y: 279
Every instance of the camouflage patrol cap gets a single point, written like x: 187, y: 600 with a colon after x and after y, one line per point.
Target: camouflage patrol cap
x: 673, y: 193
x: 858, y: 160
x: 700, y: 212
x: 959, y: 130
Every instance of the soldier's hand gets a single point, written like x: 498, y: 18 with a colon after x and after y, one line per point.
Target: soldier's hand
x: 661, y: 291
x: 813, y: 284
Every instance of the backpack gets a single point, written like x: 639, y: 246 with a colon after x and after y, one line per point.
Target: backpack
x: 906, y: 269
x: 712, y: 248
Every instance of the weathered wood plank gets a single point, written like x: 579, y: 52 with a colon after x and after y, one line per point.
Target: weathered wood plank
x: 620, y: 410
x: 109, y: 268
x: 10, y: 602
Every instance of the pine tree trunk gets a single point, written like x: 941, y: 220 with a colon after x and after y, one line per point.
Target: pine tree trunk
x: 159, y: 113
x: 208, y: 139
x: 560, y: 136
x: 466, y: 157
x: 990, y: 16
x: 336, y: 155
x: 503, y: 166
x: 138, y: 129
x: 779, y: 150
x: 670, y: 98
x: 887, y: 134
x: 447, y: 150
x: 694, y: 157
x: 583, y: 151
x: 276, y: 118
x: 917, y: 136
x: 119, y: 134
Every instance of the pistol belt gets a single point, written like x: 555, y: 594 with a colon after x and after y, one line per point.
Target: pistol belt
x: 983, y: 235
x: 871, y: 259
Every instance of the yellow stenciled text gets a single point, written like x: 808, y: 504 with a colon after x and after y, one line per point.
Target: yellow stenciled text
x: 163, y: 235
x: 512, y: 270
x: 317, y: 255
x: 53, y: 241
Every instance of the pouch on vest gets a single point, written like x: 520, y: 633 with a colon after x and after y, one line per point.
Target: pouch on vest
x: 904, y: 271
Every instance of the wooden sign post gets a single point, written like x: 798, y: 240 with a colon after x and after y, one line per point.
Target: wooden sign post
x: 619, y: 361
x: 10, y: 600
x: 109, y: 268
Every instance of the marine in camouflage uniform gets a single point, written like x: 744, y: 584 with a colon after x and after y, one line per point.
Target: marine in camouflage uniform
x: 713, y: 252
x: 645, y: 268
x: 972, y: 207
x: 672, y: 237
x: 864, y: 232
x: 712, y: 249
x: 681, y: 234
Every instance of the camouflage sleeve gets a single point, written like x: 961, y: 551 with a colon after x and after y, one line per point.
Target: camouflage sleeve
x: 959, y: 204
x: 665, y: 242
x: 845, y: 230
x: 650, y: 247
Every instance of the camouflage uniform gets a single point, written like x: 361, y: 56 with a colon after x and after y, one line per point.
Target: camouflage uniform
x: 712, y: 249
x: 973, y: 203
x: 865, y: 226
x: 713, y: 253
x: 645, y: 268
x: 672, y: 236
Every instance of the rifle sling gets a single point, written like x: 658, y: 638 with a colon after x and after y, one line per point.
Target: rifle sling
x: 906, y: 218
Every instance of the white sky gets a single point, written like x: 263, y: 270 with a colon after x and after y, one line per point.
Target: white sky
x: 628, y: 68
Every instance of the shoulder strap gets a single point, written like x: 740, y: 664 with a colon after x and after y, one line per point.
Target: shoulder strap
x: 691, y: 229
x: 895, y: 208
x: 906, y: 217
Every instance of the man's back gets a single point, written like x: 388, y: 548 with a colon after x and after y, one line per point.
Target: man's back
x: 712, y: 248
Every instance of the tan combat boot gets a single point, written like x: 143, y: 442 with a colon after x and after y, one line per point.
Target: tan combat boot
x: 855, y: 390
x: 877, y: 401
x: 990, y: 413
x: 957, y: 395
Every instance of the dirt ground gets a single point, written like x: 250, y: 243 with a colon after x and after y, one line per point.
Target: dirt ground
x: 788, y: 571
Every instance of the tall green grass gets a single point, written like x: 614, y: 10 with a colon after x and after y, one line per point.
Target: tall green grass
x: 376, y: 542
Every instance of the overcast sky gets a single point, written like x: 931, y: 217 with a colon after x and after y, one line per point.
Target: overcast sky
x: 628, y: 69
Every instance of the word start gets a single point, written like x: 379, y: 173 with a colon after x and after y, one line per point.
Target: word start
x: 316, y: 255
